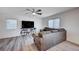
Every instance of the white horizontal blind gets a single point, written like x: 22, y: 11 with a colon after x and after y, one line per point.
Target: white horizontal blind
x: 11, y: 24
x: 54, y: 23
x: 50, y: 24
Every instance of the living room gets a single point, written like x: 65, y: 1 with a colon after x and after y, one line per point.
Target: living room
x: 11, y: 26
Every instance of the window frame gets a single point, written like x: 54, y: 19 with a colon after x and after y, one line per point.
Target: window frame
x: 53, y: 23
x: 9, y: 25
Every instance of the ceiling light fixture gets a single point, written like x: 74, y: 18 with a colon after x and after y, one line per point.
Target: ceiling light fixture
x: 34, y: 12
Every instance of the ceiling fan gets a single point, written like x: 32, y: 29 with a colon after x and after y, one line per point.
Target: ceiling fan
x: 33, y: 11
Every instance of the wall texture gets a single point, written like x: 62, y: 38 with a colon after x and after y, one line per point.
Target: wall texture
x: 69, y: 21
x: 4, y: 33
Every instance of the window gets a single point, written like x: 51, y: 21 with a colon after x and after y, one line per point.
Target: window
x: 11, y: 24
x: 54, y: 23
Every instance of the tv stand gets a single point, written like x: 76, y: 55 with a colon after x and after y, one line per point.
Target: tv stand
x: 26, y: 31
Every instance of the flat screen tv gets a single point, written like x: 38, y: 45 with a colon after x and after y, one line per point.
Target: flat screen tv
x: 27, y: 24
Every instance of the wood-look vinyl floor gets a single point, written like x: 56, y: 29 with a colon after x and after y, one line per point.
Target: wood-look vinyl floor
x: 65, y: 46
x: 31, y: 47
x: 26, y: 43
x: 20, y: 43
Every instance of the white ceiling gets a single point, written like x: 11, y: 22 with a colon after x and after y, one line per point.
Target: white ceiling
x: 47, y: 11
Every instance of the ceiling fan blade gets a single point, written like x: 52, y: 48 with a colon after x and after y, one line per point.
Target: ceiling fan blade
x: 33, y: 10
x: 28, y: 10
x: 26, y: 13
x: 39, y: 13
x: 39, y: 10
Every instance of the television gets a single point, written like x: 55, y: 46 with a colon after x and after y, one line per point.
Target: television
x: 27, y: 24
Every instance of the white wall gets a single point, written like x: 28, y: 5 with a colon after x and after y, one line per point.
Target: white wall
x: 69, y: 21
x: 4, y: 33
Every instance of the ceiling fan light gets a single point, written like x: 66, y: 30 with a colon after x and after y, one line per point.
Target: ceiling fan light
x: 34, y: 13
